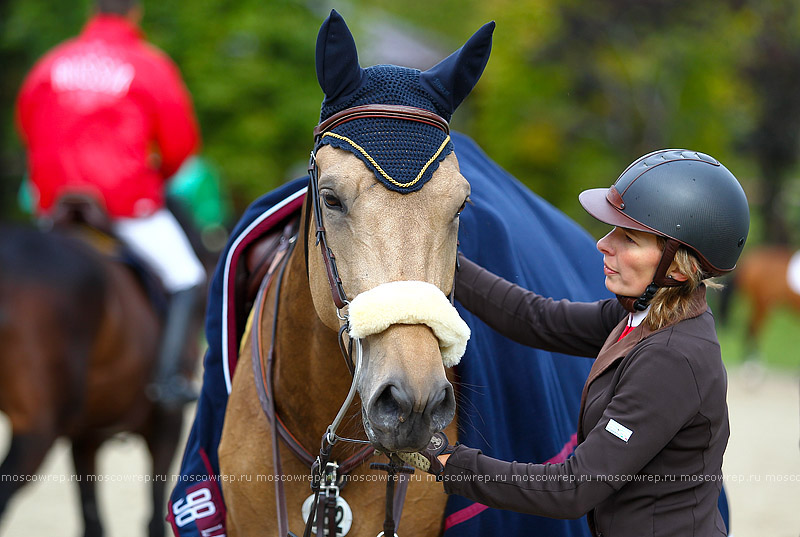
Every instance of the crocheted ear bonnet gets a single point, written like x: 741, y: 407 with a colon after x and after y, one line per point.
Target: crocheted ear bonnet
x: 403, y: 154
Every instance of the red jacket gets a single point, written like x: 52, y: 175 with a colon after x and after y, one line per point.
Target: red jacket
x: 106, y: 114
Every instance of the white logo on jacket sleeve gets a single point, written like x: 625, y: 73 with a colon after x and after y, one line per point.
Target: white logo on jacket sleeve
x: 618, y: 430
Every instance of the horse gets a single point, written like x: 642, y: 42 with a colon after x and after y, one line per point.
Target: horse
x: 401, y: 357
x: 295, y: 392
x: 80, y: 337
x: 761, y: 277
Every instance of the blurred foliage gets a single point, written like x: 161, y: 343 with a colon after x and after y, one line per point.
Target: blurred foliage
x: 574, y: 90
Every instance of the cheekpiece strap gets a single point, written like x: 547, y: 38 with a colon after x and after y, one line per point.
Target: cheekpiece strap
x: 660, y: 278
x: 410, y: 113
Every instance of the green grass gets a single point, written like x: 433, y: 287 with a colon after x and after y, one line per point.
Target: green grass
x: 778, y: 345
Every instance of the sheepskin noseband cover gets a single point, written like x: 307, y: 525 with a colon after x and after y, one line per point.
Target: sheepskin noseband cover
x: 410, y: 302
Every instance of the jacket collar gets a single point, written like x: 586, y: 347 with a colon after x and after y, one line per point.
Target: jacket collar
x: 114, y: 27
x: 615, y: 349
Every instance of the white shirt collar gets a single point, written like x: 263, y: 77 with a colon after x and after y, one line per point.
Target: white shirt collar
x: 635, y: 319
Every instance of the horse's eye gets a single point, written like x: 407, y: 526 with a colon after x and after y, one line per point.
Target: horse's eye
x: 463, y: 206
x: 331, y: 201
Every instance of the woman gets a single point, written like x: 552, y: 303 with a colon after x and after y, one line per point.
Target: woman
x: 653, y: 424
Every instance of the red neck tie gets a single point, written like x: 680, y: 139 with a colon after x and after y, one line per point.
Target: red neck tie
x: 628, y: 330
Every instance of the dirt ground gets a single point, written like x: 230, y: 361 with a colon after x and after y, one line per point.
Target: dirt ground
x: 762, y: 471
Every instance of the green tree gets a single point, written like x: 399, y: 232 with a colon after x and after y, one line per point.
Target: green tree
x: 574, y: 90
x: 772, y: 69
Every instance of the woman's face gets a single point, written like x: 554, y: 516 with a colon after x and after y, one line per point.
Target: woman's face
x: 630, y: 259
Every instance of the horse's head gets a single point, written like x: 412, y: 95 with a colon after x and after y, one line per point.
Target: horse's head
x: 383, y: 135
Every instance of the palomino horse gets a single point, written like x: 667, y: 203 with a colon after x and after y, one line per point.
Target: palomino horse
x: 79, y: 346
x: 405, y: 394
x: 379, y: 235
x: 393, y: 234
x: 761, y: 277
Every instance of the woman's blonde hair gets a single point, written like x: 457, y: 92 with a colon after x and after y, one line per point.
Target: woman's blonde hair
x: 670, y: 304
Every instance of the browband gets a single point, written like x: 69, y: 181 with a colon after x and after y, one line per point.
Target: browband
x: 393, y: 111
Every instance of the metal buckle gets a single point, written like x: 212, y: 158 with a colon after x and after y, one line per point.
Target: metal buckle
x: 330, y: 477
x: 327, y: 503
x: 312, y: 161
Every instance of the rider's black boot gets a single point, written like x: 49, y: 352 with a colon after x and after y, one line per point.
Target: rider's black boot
x: 171, y: 388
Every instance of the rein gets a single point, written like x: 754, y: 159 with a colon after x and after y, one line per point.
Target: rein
x: 264, y: 386
x: 394, y: 501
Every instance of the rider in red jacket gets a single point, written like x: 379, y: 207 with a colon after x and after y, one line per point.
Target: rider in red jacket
x: 107, y: 115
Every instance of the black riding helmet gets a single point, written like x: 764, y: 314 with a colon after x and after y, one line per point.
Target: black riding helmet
x: 688, y: 198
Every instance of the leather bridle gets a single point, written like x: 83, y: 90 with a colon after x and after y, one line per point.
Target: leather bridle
x: 370, y: 111
x: 326, y: 476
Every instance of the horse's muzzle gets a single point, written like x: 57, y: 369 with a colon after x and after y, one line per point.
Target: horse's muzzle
x: 396, y: 420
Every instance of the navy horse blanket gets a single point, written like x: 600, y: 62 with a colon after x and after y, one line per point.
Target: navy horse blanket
x: 515, y: 402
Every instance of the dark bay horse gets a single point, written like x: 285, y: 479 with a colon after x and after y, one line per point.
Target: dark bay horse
x: 291, y: 376
x: 79, y: 342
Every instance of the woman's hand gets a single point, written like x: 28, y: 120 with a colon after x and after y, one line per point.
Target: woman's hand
x: 433, y: 458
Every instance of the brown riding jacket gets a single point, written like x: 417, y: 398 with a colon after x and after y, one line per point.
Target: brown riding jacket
x: 653, y: 424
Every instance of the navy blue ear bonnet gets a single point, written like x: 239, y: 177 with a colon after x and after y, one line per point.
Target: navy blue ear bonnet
x: 402, y: 154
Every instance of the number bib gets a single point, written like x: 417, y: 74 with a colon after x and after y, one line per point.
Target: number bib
x: 202, y: 507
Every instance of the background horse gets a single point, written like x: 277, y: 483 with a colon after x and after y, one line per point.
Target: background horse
x: 80, y: 338
x: 761, y: 278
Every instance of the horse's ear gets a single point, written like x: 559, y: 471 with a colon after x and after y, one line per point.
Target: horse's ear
x: 338, y: 71
x: 451, y: 80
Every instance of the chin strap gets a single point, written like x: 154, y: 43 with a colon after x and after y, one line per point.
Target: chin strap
x: 660, y: 279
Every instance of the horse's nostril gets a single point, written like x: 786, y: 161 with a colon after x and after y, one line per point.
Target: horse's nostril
x: 392, y: 405
x: 439, y: 398
x: 442, y: 407
x: 394, y: 409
